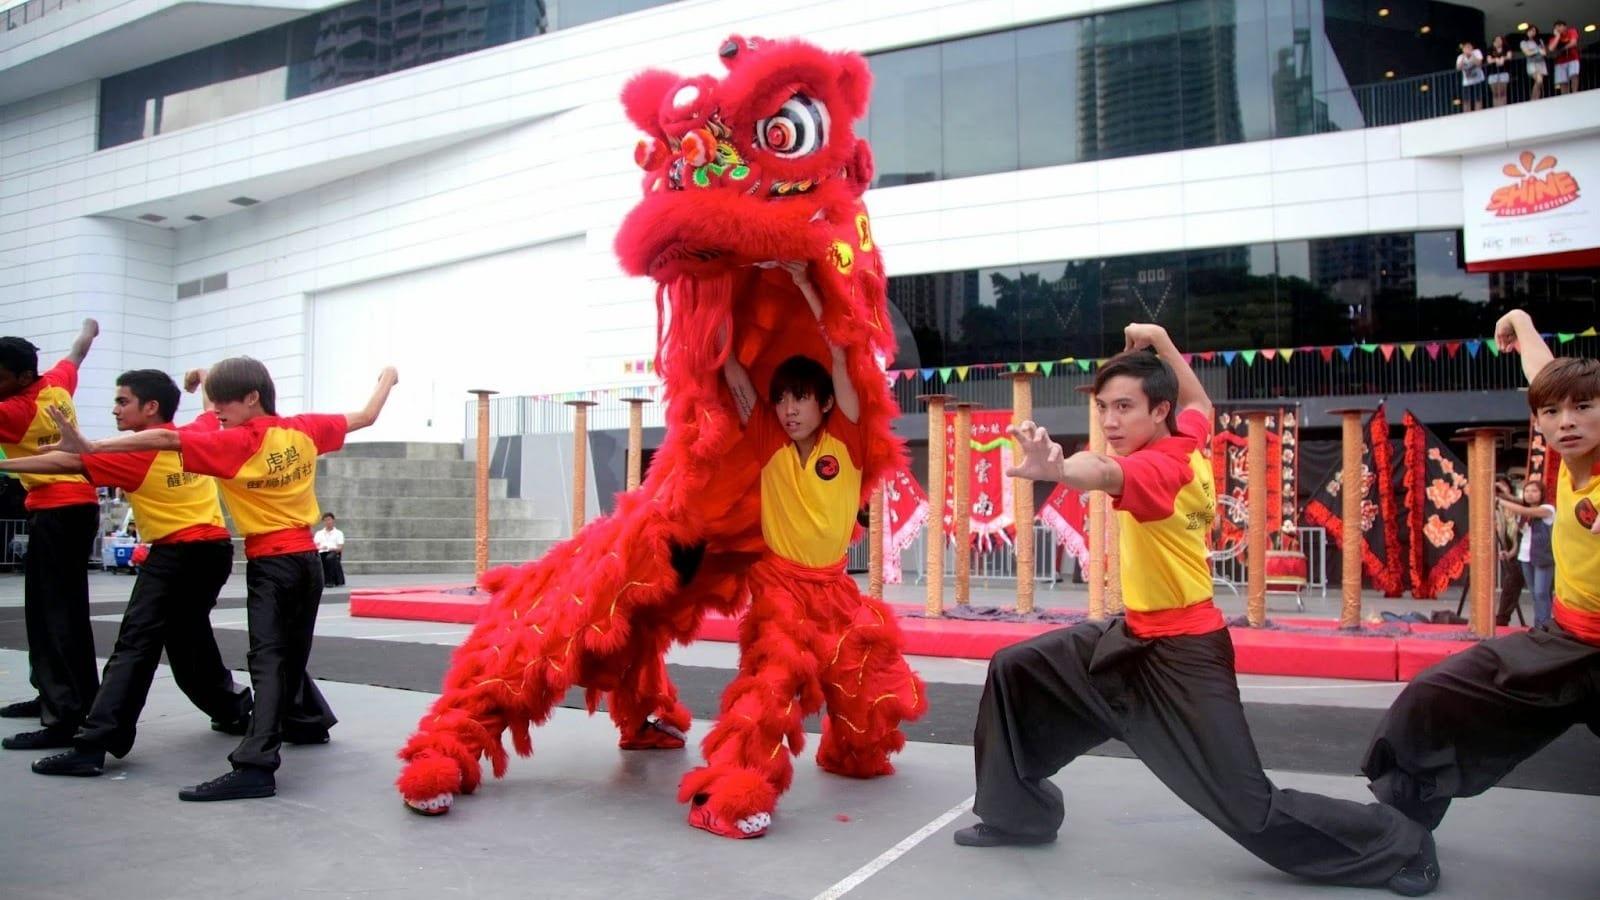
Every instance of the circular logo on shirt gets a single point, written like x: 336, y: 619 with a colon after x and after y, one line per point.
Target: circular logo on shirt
x: 1586, y: 512
x: 827, y: 468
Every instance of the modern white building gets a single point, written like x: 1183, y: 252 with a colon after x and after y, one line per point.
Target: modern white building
x: 436, y: 183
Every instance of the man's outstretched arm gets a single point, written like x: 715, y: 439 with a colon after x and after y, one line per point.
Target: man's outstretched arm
x: 54, y: 463
x: 73, y: 441
x: 387, y: 379
x: 84, y: 340
x: 1044, y: 460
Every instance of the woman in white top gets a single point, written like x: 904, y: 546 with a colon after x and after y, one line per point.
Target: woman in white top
x: 1533, y: 49
x: 1538, y: 562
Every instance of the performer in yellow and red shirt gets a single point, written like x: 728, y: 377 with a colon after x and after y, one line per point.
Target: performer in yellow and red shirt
x: 810, y: 637
x: 190, y: 559
x: 1462, y: 725
x: 1161, y: 678
x: 266, y: 467
x: 63, y: 516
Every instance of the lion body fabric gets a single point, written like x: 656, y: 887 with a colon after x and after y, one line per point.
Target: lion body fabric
x: 757, y: 167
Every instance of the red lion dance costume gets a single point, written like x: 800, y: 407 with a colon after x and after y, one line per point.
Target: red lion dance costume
x: 761, y: 165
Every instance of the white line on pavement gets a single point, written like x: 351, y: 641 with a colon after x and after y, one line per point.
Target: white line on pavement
x: 854, y: 879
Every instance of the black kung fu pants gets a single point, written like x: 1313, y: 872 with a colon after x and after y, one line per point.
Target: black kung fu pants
x: 55, y: 600
x: 1175, y: 702
x: 170, y: 607
x: 284, y: 592
x: 1463, y: 724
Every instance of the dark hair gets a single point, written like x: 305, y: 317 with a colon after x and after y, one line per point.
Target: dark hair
x: 330, y: 516
x: 18, y: 357
x: 1155, y: 377
x: 1561, y: 22
x: 801, y: 376
x: 1566, y: 378
x: 232, y: 379
x: 152, y: 384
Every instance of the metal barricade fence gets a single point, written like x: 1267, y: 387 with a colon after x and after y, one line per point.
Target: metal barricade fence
x: 998, y: 563
x: 10, y: 529
x: 1233, y: 570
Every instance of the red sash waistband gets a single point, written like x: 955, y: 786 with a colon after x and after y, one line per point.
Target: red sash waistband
x: 1581, y: 624
x: 1196, y: 618
x: 788, y: 568
x: 279, y: 543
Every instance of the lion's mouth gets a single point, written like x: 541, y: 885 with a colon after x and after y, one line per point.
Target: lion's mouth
x: 683, y: 253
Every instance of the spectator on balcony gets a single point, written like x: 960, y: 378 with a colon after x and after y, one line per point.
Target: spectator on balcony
x: 1499, y: 65
x: 1563, y: 50
x: 1533, y: 50
x: 1470, y: 65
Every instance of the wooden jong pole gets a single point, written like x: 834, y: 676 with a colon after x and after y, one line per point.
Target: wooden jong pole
x: 934, y: 605
x: 1350, y: 516
x: 961, y: 535
x: 635, y: 439
x: 1097, y: 525
x: 480, y: 525
x: 1256, y: 504
x: 580, y: 459
x: 1480, y: 515
x: 875, y: 544
x: 1022, y: 496
x: 1114, y: 604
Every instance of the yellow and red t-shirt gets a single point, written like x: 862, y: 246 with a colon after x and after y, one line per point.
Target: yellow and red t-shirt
x: 25, y: 426
x: 1577, y: 552
x: 808, y: 506
x: 1167, y: 503
x: 171, y: 506
x: 267, y: 469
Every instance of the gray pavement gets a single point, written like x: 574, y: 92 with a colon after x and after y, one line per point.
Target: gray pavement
x: 583, y: 819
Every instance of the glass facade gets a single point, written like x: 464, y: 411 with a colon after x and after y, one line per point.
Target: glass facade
x: 1407, y: 286
x: 1154, y: 78
x: 340, y: 46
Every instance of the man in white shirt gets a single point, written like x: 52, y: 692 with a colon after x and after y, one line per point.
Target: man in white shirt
x: 330, y: 547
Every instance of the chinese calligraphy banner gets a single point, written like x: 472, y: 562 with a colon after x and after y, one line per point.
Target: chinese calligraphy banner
x: 993, y: 513
x: 1436, y: 511
x: 1229, y: 452
x: 1066, y: 512
x: 905, y: 512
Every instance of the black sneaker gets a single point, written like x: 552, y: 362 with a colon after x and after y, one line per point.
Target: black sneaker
x: 241, y: 784
x: 79, y: 763
x: 43, y: 739
x: 240, y: 724
x: 22, y: 709
x: 981, y: 835
x: 1420, y: 874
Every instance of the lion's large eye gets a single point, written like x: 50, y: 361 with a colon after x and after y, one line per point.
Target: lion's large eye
x: 799, y: 129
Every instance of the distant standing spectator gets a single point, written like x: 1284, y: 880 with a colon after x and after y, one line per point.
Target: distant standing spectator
x: 1563, y: 50
x: 330, y: 547
x: 1533, y: 49
x: 1499, y: 70
x: 1470, y: 65
x: 1534, y: 550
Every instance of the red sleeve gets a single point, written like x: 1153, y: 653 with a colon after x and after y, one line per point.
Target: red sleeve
x: 763, y: 433
x: 1153, y: 476
x: 219, y: 453
x: 326, y: 430
x: 64, y: 375
x: 849, y: 434
x: 16, y: 414
x: 205, y: 422
x: 118, y: 470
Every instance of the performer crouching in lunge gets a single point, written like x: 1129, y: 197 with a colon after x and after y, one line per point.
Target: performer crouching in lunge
x: 266, y: 467
x: 1162, y: 678
x: 1463, y: 724
x: 190, y: 558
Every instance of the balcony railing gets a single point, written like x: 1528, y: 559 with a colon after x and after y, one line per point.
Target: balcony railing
x: 1401, y: 100
x: 32, y: 11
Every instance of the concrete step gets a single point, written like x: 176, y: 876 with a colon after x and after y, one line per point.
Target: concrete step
x: 398, y: 450
x: 335, y: 489
x: 388, y: 506
x: 441, y: 549
x: 453, y: 527
x: 339, y: 466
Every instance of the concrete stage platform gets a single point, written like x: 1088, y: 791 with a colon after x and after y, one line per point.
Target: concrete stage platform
x: 1300, y: 647
x: 583, y: 819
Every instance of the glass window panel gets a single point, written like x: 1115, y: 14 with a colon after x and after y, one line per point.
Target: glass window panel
x: 1048, y: 91
x: 979, y: 108
x: 1232, y: 298
x: 1135, y: 68
x: 906, y: 134
x: 1451, y: 302
x: 568, y: 13
x: 1148, y: 287
x: 1059, y: 314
